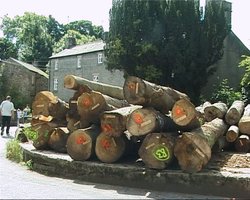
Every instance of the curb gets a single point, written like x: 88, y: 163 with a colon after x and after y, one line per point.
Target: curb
x: 230, y: 182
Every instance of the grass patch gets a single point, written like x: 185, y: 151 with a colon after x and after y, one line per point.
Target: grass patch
x: 14, y: 151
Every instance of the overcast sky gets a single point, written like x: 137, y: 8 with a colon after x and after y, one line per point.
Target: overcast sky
x: 97, y: 11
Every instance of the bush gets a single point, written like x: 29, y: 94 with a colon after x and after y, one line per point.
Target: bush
x: 14, y: 151
x: 30, y: 133
x: 225, y: 94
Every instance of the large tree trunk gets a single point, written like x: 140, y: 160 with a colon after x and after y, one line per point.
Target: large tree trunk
x: 91, y: 105
x: 141, y: 92
x: 157, y: 150
x: 232, y: 133
x: 193, y: 149
x: 215, y: 110
x: 185, y: 115
x: 244, y: 123
x: 147, y: 120
x: 81, y: 143
x: 58, y: 139
x: 110, y: 149
x: 113, y: 123
x: 75, y: 82
x: 234, y: 113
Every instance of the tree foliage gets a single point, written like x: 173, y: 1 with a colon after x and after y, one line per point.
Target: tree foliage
x: 7, y: 49
x: 245, y: 81
x: 166, y: 42
x: 36, y: 36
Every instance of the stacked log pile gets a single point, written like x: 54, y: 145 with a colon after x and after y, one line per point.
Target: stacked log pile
x: 143, y: 120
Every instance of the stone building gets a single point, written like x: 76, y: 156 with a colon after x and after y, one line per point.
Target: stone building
x: 85, y: 61
x: 22, y: 78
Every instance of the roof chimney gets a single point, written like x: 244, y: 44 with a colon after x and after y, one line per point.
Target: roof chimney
x: 70, y: 42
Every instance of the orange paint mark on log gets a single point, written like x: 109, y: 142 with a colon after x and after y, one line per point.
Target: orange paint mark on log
x: 105, y: 144
x: 80, y: 139
x: 138, y: 118
x: 86, y: 102
x: 179, y: 111
x: 131, y: 86
x: 106, y: 128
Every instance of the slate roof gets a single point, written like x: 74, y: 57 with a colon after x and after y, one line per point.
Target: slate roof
x: 81, y: 49
x: 29, y: 67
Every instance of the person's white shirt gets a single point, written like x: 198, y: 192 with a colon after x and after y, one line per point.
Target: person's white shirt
x: 6, y: 108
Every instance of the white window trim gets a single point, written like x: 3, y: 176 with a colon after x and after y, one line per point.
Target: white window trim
x: 56, y: 64
x: 55, y: 84
x: 79, y: 61
x: 100, y: 58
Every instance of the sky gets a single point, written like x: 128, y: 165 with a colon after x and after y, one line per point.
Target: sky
x: 97, y: 11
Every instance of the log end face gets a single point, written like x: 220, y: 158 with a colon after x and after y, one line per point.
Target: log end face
x: 192, y: 152
x: 134, y: 90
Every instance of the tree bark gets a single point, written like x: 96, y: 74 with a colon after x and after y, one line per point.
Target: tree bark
x: 75, y: 82
x: 141, y: 92
x: 81, y: 143
x: 234, y: 113
x: 157, y: 150
x: 58, y: 139
x: 216, y: 110
x: 193, y: 149
x: 220, y: 145
x: 244, y: 123
x: 185, y: 115
x: 110, y: 149
x: 232, y: 133
x: 147, y: 120
x: 242, y: 144
x: 113, y: 123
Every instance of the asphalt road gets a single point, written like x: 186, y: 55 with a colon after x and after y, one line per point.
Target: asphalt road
x: 18, y: 182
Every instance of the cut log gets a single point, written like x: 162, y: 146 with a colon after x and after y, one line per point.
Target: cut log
x: 220, y: 145
x: 43, y: 132
x: 58, y: 139
x: 91, y: 105
x: 200, y: 111
x: 216, y: 110
x: 110, y: 149
x: 20, y: 135
x: 140, y: 92
x: 157, y: 150
x: 75, y: 82
x: 147, y: 120
x: 81, y: 143
x: 73, y: 123
x: 113, y: 123
x: 244, y: 123
x: 193, y: 149
x: 185, y: 115
x: 58, y: 110
x: 234, y: 113
x: 242, y: 144
x: 232, y: 133
x: 45, y: 96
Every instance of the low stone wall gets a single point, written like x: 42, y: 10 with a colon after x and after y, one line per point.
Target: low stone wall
x: 227, y: 183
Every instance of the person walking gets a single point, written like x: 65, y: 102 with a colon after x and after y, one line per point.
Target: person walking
x: 7, y: 112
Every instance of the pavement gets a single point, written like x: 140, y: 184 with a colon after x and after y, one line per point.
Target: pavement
x: 215, y: 179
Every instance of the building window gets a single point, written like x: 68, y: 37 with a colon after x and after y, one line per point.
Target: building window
x: 79, y: 61
x: 100, y: 58
x: 56, y: 64
x: 95, y: 77
x: 33, y: 79
x: 55, y: 84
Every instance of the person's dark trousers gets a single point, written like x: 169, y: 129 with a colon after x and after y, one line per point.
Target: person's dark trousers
x: 5, y: 122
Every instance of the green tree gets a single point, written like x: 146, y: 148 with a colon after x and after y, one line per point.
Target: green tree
x: 85, y: 27
x: 30, y: 35
x: 7, y: 49
x: 245, y: 81
x: 168, y: 42
x: 80, y: 39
